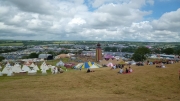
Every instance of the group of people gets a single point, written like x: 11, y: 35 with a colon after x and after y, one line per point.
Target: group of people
x: 117, y: 66
x: 121, y: 71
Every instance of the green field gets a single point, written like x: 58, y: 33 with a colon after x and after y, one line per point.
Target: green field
x: 11, y: 44
x: 146, y: 83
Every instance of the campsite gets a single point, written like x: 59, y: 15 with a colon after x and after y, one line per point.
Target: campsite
x: 89, y: 50
x: 145, y: 83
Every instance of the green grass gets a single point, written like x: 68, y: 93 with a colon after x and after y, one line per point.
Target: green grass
x: 11, y: 44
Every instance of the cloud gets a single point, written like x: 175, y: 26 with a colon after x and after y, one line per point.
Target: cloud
x: 169, y: 21
x: 34, y: 6
x: 85, y: 20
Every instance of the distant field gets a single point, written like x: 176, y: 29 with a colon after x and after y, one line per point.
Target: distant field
x: 11, y: 44
x: 146, y: 83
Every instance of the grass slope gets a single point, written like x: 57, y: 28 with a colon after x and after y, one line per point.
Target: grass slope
x: 146, y: 83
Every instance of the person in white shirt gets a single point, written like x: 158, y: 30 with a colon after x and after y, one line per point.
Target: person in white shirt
x: 121, y: 71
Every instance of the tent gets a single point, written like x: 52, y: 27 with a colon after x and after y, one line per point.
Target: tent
x: 32, y: 65
x: 78, y: 65
x: 95, y: 65
x: 88, y: 65
x: 26, y: 68
x: 36, y: 68
x: 16, y: 68
x: 44, y: 66
x: 110, y: 64
x: 60, y: 63
x: 121, y: 62
x: 46, y: 56
x: 27, y: 63
x: 108, y: 56
x: 7, y: 69
x: 69, y: 65
x: 113, y: 61
x: 0, y: 67
x: 63, y: 56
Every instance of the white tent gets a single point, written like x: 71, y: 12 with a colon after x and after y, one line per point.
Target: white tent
x: 44, y: 66
x: 27, y: 63
x: 32, y: 65
x: 44, y: 71
x: 0, y: 67
x: 36, y: 68
x: 26, y: 68
x: 32, y: 72
x: 94, y: 66
x: 16, y: 68
x: 60, y: 63
x: 7, y: 69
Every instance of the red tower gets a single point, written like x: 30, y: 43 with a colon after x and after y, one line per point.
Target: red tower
x: 98, y: 53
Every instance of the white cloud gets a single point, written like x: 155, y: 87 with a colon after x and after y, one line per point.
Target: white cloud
x: 168, y: 21
x: 75, y: 20
x: 3, y: 10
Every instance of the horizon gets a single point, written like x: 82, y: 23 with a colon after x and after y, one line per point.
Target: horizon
x: 96, y: 20
x: 87, y: 40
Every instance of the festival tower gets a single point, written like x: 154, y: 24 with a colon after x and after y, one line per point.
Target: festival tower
x: 98, y: 53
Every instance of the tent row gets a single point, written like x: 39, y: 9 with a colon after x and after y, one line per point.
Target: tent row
x: 17, y: 68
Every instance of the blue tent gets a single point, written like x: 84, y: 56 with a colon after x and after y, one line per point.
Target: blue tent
x: 87, y: 65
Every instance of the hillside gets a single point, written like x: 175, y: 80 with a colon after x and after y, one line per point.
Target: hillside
x: 146, y: 83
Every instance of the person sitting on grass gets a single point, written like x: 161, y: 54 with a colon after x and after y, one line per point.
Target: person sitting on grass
x: 130, y: 70
x: 121, y: 71
x: 88, y: 70
x: 127, y: 70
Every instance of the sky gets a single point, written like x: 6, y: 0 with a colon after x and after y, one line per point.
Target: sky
x: 98, y: 20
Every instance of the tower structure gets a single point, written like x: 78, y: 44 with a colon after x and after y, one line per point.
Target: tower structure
x: 98, y: 53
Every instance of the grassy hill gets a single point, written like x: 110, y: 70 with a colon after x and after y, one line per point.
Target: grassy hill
x: 146, y: 83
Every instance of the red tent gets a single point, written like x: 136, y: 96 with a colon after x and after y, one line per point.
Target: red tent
x: 69, y: 65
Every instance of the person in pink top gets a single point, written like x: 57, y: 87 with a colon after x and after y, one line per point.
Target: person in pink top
x: 130, y: 70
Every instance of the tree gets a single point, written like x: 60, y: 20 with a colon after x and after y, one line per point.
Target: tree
x: 177, y: 52
x: 33, y: 55
x: 1, y: 58
x: 141, y: 54
x: 129, y: 49
x: 157, y: 51
x: 168, y: 51
x: 108, y: 49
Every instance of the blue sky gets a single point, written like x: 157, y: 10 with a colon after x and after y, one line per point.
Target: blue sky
x: 162, y: 6
x: 101, y: 20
